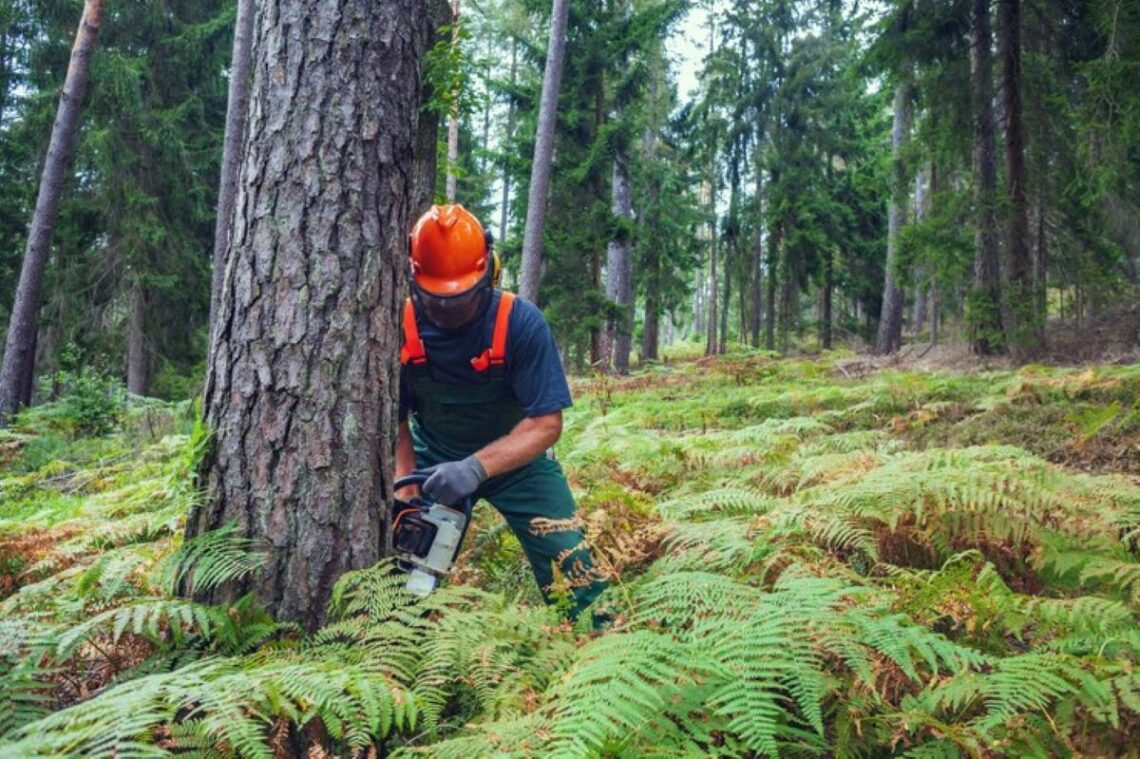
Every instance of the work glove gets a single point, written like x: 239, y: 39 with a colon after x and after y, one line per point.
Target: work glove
x: 452, y: 481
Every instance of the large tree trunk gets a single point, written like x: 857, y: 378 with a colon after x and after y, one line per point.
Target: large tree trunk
x: 543, y: 152
x: 453, y: 116
x: 619, y: 273
x: 19, y: 351
x: 984, y: 303
x: 1023, y: 331
x: 302, y: 386
x: 136, y: 339
x: 889, y: 336
x: 237, y: 113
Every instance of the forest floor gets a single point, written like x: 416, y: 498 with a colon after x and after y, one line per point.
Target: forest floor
x: 829, y: 557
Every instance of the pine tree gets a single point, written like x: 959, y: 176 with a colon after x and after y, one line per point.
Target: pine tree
x: 543, y: 151
x: 299, y: 389
x: 20, y: 347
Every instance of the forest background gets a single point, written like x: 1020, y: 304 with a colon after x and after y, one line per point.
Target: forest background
x: 842, y: 174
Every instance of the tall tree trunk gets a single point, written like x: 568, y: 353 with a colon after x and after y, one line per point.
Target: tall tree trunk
x: 727, y: 259
x: 699, y: 301
x: 710, y: 343
x: 828, y: 287
x: 453, y: 115
x: 509, y: 140
x: 3, y: 66
x: 757, y: 256
x: 19, y: 351
x: 237, y: 112
x: 775, y: 242
x: 828, y: 283
x: 889, y: 336
x: 651, y: 262
x: 984, y: 303
x: 619, y: 273
x: 1040, y: 261
x: 785, y: 305
x: 921, y: 207
x: 425, y: 161
x: 136, y: 339
x: 485, y: 159
x: 933, y: 301
x: 1023, y: 332
x: 543, y: 152
x: 302, y: 385
x: 650, y: 334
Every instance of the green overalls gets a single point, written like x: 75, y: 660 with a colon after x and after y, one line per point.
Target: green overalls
x: 451, y: 422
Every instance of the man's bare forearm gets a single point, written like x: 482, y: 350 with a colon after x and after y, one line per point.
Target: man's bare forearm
x: 521, y: 445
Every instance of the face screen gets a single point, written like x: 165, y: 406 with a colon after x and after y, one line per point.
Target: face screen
x: 451, y: 311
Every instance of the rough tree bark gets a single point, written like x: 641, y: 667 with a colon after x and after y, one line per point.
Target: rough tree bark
x: 237, y: 113
x: 889, y: 336
x: 16, y: 373
x: 1023, y: 330
x: 301, y: 390
x: 984, y: 302
x: 543, y: 152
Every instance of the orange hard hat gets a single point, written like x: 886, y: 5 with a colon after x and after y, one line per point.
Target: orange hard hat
x: 449, y: 250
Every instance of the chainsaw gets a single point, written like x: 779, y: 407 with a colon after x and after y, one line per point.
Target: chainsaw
x: 427, y: 535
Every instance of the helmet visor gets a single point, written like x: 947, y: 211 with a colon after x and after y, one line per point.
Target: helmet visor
x: 452, y: 311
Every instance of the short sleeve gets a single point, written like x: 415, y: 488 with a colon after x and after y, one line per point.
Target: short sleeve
x: 534, y: 369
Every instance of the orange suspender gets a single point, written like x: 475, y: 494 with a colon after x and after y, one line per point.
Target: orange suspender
x: 413, y: 348
x: 497, y: 353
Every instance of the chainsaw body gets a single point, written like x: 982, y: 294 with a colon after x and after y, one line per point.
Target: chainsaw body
x: 427, y: 536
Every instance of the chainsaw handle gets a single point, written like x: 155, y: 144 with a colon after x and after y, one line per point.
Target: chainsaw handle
x: 419, y: 477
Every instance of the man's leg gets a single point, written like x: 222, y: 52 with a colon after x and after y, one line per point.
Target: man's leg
x: 539, y: 508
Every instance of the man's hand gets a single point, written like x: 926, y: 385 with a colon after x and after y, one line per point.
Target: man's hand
x: 451, y: 482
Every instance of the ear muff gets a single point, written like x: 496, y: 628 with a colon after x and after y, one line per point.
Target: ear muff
x: 496, y: 263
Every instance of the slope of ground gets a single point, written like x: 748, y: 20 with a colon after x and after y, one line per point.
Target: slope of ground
x: 902, y: 563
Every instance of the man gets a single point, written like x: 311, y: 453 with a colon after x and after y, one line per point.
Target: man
x: 481, y: 398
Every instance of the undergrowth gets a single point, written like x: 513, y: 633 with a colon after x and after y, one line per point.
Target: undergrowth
x: 804, y: 564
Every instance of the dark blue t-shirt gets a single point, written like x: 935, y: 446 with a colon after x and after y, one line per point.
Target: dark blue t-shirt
x: 532, y: 369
